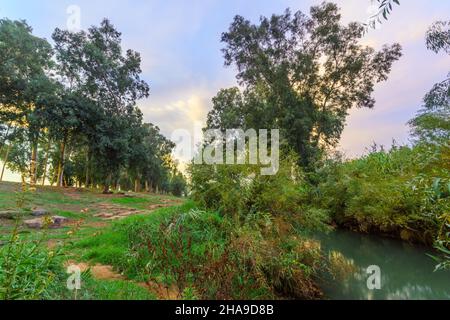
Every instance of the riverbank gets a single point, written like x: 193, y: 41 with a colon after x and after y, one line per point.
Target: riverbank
x: 145, y: 246
x: 403, y: 193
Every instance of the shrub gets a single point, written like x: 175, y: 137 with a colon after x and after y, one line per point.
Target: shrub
x: 240, y: 190
x: 398, y: 193
x: 197, y: 254
x: 28, y: 271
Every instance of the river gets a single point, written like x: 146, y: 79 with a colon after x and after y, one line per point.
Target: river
x: 407, y: 272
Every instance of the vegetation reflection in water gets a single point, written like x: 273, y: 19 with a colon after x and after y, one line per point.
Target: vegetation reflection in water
x: 407, y: 272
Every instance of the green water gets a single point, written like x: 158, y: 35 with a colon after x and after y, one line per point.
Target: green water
x: 406, y: 270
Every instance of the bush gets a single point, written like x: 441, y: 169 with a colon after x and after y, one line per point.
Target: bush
x: 240, y: 190
x: 28, y: 271
x: 208, y: 254
x: 195, y: 254
x: 399, y: 193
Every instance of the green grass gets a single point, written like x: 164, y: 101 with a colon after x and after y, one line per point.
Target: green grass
x: 112, y: 244
x: 92, y: 289
x: 135, y: 203
x: 88, y: 243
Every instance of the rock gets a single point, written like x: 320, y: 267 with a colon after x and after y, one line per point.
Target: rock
x: 34, y: 223
x: 38, y: 212
x: 129, y: 195
x: 9, y: 214
x: 40, y: 223
x: 58, y: 220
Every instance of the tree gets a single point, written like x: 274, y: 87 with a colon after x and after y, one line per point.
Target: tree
x: 432, y: 122
x: 385, y: 8
x: 302, y: 75
x: 158, y: 166
x: 25, y: 82
x: 93, y: 64
x: 70, y: 115
x: 227, y: 110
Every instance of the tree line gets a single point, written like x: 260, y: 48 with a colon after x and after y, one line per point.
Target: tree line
x: 68, y: 112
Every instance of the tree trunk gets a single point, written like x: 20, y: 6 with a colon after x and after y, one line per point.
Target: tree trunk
x: 47, y: 151
x: 147, y: 188
x: 33, y: 167
x: 24, y: 183
x: 5, y: 161
x: 61, y: 163
x: 88, y: 165
x: 107, y: 183
x: 137, y: 185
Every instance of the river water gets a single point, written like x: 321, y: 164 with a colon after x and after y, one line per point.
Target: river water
x: 406, y: 270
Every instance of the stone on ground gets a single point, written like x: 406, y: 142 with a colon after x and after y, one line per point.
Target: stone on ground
x: 51, y: 222
x: 39, y: 212
x: 9, y: 214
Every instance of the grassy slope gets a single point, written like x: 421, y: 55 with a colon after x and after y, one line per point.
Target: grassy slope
x: 80, y: 207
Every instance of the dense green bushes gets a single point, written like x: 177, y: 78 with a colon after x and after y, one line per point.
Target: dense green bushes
x: 27, y: 271
x: 30, y: 271
x: 401, y: 193
x: 207, y: 255
x: 240, y: 191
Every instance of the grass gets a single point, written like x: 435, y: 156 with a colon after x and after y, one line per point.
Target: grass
x: 86, y: 239
x: 110, y: 246
x: 114, y: 290
x: 179, y: 247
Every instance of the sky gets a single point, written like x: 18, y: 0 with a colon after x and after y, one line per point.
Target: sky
x: 179, y: 42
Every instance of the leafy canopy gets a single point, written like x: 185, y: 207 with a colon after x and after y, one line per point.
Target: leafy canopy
x: 301, y: 74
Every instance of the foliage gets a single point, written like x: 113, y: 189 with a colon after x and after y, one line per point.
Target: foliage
x: 241, y: 191
x: 300, y: 74
x: 204, y: 255
x: 433, y: 120
x: 432, y: 126
x: 27, y: 271
x: 401, y: 193
x: 385, y: 8
x: 438, y: 37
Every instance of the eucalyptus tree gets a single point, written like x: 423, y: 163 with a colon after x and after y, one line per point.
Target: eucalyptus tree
x: 25, y: 83
x: 66, y: 121
x: 303, y: 74
x: 93, y: 64
x: 385, y: 8
x: 158, y: 148
x: 432, y: 123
